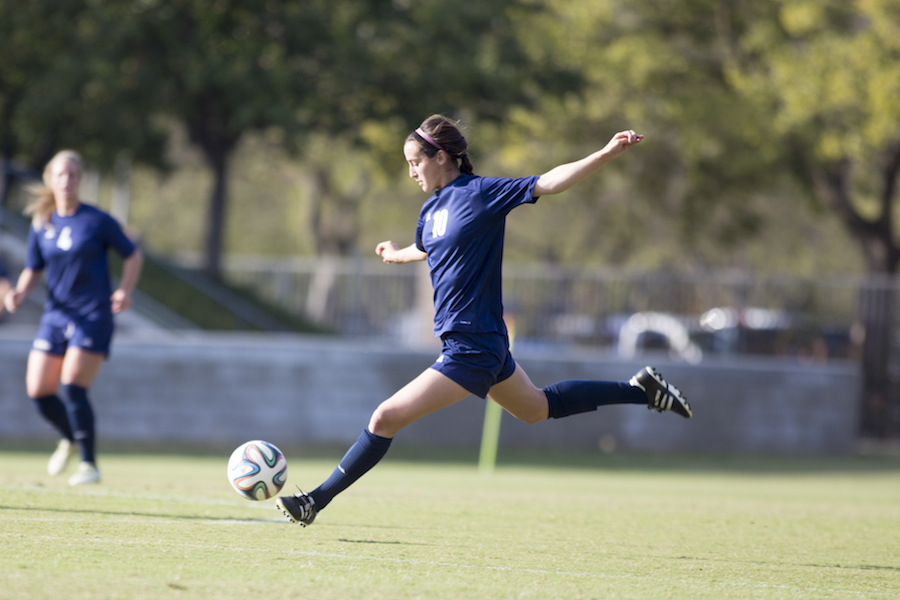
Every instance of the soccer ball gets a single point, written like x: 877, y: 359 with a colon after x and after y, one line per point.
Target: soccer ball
x: 257, y: 470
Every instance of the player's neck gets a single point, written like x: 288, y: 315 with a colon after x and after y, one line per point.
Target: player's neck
x: 448, y: 177
x: 67, y: 207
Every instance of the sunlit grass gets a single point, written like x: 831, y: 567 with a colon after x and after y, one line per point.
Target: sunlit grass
x: 607, y: 527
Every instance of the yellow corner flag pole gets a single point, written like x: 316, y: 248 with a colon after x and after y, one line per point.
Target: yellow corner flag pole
x: 490, y: 433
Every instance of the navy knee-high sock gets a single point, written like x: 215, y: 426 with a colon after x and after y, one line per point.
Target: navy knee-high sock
x: 81, y: 418
x: 54, y: 411
x: 362, y: 456
x: 575, y: 396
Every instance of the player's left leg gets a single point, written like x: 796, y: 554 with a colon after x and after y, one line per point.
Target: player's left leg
x: 80, y: 368
x: 424, y: 395
x: 427, y: 393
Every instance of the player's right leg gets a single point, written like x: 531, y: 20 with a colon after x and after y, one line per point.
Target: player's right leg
x: 41, y: 380
x: 522, y: 399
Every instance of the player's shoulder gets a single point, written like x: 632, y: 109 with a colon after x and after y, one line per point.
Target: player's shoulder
x: 466, y: 181
x: 90, y: 210
x: 471, y: 185
x: 492, y: 185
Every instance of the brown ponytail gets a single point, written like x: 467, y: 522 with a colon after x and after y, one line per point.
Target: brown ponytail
x: 43, y: 203
x: 446, y: 134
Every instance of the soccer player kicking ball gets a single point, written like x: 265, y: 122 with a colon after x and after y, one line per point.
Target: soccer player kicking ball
x: 460, y: 233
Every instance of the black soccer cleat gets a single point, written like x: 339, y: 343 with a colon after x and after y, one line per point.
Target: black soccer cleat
x: 661, y: 395
x: 299, y: 508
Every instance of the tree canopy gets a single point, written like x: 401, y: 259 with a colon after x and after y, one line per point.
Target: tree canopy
x: 794, y: 101
x: 750, y: 98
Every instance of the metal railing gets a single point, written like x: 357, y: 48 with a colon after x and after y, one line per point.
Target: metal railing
x: 585, y: 308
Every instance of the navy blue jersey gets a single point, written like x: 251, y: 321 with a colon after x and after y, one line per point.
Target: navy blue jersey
x: 73, y: 251
x: 3, y: 273
x: 461, y: 228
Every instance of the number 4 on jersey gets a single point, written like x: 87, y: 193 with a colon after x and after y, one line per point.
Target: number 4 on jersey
x: 64, y: 241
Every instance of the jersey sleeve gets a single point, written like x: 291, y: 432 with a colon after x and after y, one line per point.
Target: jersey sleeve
x: 116, y: 238
x: 34, y: 258
x: 501, y: 195
x: 3, y: 273
x: 420, y: 227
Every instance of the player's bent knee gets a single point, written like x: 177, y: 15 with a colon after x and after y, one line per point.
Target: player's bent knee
x: 384, y: 422
x: 39, y: 391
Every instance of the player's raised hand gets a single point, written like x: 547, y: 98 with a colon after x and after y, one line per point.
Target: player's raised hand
x: 621, y: 141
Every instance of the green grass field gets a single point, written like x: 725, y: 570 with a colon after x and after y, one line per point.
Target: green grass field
x: 618, y: 526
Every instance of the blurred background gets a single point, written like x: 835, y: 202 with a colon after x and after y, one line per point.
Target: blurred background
x: 255, y: 150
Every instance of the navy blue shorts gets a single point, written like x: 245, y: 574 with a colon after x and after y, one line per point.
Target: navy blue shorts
x: 57, y: 332
x: 476, y: 361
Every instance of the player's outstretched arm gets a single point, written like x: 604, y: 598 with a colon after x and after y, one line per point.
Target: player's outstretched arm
x: 391, y: 253
x: 561, y: 178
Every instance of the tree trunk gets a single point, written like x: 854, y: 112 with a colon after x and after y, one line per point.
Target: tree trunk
x: 334, y: 224
x: 321, y: 288
x: 210, y: 133
x: 880, y: 402
x: 6, y: 183
x: 216, y: 217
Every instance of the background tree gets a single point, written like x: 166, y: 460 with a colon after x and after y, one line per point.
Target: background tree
x: 31, y: 47
x: 828, y: 76
x: 222, y: 69
x: 58, y: 90
x: 313, y: 67
x: 742, y: 98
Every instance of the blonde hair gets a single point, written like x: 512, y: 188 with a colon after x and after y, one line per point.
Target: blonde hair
x: 43, y: 202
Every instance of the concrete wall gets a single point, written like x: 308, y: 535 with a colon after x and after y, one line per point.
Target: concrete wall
x: 305, y: 390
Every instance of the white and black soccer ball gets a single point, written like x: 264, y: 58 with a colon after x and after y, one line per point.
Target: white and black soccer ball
x: 257, y: 470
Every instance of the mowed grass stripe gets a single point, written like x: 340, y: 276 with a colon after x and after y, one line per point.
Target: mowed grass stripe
x: 315, y: 554
x: 630, y: 528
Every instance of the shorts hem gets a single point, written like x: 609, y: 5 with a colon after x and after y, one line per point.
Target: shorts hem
x: 466, y: 385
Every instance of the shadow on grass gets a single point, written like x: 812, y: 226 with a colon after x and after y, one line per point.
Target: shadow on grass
x: 134, y: 514
x: 658, y: 461
x: 732, y: 560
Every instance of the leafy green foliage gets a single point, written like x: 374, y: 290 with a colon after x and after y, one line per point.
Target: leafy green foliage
x: 58, y: 90
x: 224, y: 69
